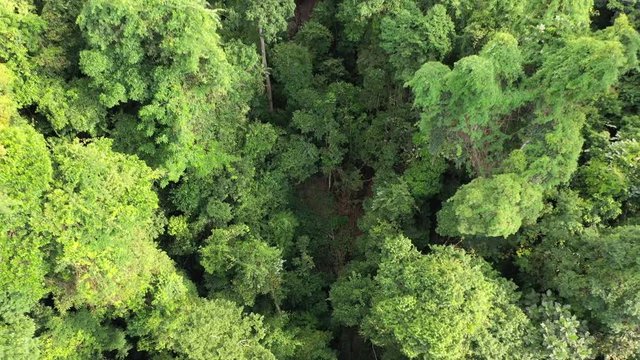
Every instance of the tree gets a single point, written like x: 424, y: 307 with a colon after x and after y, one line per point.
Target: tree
x: 7, y: 104
x: 585, y: 68
x: 497, y: 206
x: 17, y: 338
x: 596, y: 274
x: 472, y: 22
x: 470, y: 110
x: 176, y: 321
x: 444, y: 305
x: 252, y: 267
x: 79, y: 336
x: 549, y: 22
x: 391, y: 203
x: 270, y: 16
x: 100, y: 219
x: 411, y: 37
x: 293, y: 67
x: 43, y: 55
x: 560, y: 335
x: 171, y: 62
x: 464, y: 108
x: 243, y: 18
x: 424, y: 175
x: 231, y: 336
x: 19, y: 34
x: 351, y: 298
x: 25, y: 176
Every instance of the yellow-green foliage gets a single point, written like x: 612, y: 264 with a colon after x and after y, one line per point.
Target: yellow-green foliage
x: 100, y: 219
x: 177, y: 321
x: 217, y: 179
x: 7, y: 104
x: 442, y: 305
x: 496, y: 206
x: 79, y: 336
x: 25, y: 176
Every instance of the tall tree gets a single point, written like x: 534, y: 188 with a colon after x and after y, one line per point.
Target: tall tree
x: 100, y: 219
x: 597, y: 274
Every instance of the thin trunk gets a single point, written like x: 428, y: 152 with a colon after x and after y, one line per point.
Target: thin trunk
x: 266, y: 70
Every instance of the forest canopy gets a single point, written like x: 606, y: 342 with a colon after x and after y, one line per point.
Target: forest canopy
x: 319, y: 179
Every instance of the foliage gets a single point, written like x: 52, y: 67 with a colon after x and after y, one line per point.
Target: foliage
x: 177, y: 321
x: 271, y: 16
x: 470, y: 111
x: 560, y: 334
x: 25, y: 176
x: 253, y: 267
x: 245, y: 19
x: 351, y: 297
x: 100, y: 219
x: 229, y: 179
x: 497, y: 206
x: 403, y: 34
x: 79, y: 336
x: 600, y: 281
x: 407, y: 306
x: 17, y: 339
x: 149, y: 57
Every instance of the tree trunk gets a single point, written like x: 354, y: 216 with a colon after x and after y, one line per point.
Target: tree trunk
x: 265, y: 67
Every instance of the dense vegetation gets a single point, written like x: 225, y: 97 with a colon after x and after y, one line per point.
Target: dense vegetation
x: 319, y: 179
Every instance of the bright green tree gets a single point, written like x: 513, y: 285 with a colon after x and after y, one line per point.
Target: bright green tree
x: 170, y: 62
x: 79, y: 336
x: 596, y: 274
x: 444, y: 305
x: 486, y: 116
x: 177, y: 321
x: 100, y: 219
x: 560, y: 335
x: 25, y: 176
x: 496, y: 206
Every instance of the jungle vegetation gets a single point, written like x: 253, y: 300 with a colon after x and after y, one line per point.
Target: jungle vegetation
x: 319, y: 179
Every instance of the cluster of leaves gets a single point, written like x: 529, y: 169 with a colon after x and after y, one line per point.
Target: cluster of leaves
x: 410, y: 169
